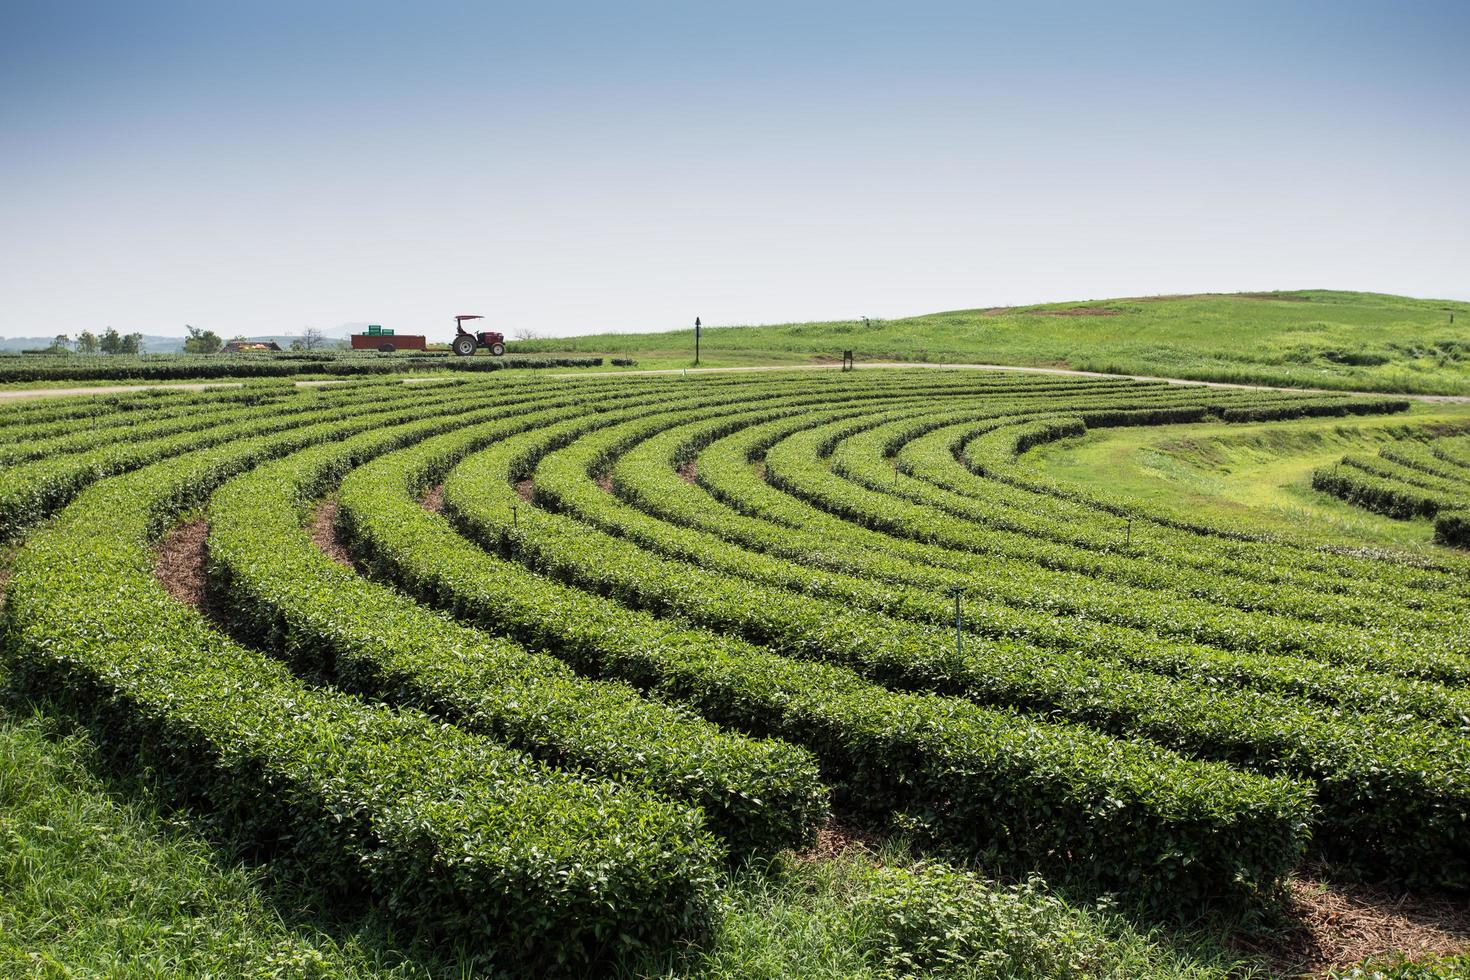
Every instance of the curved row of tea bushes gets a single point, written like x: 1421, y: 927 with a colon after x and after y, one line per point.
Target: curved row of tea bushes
x: 758, y: 795
x: 1380, y: 494
x: 795, y: 466
x: 453, y: 833
x: 1420, y: 456
x: 1452, y: 527
x: 107, y: 414
x: 993, y: 456
x: 1358, y: 760
x: 1031, y: 523
x: 94, y: 437
x: 1387, y: 468
x: 1082, y: 804
x: 861, y: 459
x: 1408, y: 480
x: 1213, y: 607
x: 1043, y: 535
x: 679, y: 520
x: 64, y: 411
x: 1273, y: 407
x: 723, y: 470
x: 31, y: 491
x: 218, y: 366
x: 792, y: 465
x: 1454, y: 450
x: 934, y: 457
x: 931, y: 454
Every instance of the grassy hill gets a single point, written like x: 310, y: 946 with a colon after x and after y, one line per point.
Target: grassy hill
x: 1310, y: 338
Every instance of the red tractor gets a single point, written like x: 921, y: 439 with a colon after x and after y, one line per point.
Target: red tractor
x: 466, y: 343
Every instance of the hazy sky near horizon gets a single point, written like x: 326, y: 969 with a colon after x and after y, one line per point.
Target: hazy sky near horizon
x: 576, y: 167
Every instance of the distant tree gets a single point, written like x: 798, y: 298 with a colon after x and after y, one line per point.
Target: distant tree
x: 297, y: 344
x: 61, y: 344
x: 202, y: 341
x: 132, y: 344
x: 312, y: 338
x: 525, y: 333
x: 86, y: 342
x: 111, y: 342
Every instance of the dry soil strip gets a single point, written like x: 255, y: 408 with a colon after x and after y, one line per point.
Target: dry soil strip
x: 1339, y: 925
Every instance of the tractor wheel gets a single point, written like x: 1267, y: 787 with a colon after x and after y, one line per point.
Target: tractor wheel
x: 464, y: 345
x: 386, y: 348
x: 497, y: 349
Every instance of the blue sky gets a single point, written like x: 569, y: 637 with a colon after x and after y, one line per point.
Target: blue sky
x: 570, y: 167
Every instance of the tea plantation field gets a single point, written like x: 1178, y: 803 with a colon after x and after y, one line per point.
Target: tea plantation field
x: 776, y: 674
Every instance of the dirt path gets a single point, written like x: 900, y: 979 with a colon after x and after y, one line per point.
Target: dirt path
x: 1336, y: 925
x: 181, y: 561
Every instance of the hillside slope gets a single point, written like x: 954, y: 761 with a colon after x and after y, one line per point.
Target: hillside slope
x: 1309, y: 338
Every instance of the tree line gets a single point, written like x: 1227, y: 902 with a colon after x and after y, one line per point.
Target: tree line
x: 199, y: 341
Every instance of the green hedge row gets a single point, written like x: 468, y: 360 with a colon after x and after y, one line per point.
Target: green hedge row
x: 50, y: 417
x: 1359, y: 760
x: 723, y: 470
x: 452, y: 832
x: 990, y: 780
x: 1359, y: 585
x: 794, y: 466
x: 1454, y: 450
x: 759, y: 795
x: 994, y: 453
x: 31, y: 491
x: 1408, y: 480
x: 1195, y: 603
x: 185, y: 368
x: 1389, y: 469
x: 679, y: 520
x: 1452, y: 527
x: 1380, y: 494
x: 1422, y: 456
x: 83, y: 438
x: 1273, y: 409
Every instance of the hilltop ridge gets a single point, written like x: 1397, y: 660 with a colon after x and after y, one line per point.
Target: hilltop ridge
x: 1315, y: 338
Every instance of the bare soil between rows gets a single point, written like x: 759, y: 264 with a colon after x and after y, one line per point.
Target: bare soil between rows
x: 181, y: 565
x: 324, y: 535
x: 1336, y: 925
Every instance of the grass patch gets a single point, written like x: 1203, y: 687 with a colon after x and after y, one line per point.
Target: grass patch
x: 93, y: 883
x: 1260, y: 475
x: 1308, y: 338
